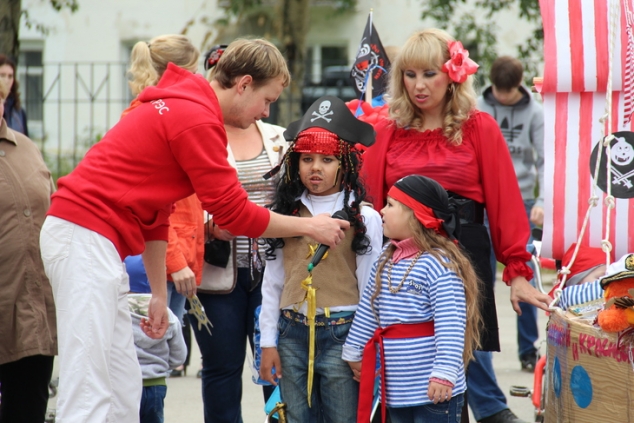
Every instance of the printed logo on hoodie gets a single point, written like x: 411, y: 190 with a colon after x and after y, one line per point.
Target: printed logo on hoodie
x: 160, y: 106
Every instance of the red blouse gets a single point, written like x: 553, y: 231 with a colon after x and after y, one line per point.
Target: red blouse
x: 480, y: 168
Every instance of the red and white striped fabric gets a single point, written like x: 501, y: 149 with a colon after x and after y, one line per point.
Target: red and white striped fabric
x: 574, y: 94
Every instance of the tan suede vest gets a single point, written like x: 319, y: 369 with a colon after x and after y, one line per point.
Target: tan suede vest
x: 334, y: 278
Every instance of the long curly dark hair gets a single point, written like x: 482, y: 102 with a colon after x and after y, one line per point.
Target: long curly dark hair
x: 289, y: 187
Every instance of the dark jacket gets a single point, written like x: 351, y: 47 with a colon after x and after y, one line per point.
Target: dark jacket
x: 16, y: 118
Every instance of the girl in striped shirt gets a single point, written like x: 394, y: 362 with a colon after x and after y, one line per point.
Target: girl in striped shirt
x: 421, y: 311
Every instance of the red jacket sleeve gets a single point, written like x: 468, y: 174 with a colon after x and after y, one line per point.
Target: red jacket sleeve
x: 202, y: 153
x: 503, y: 200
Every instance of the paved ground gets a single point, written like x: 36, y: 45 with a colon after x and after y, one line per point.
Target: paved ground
x: 184, y: 404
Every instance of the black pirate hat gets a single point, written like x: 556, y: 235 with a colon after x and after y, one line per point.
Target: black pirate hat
x: 328, y: 114
x: 331, y: 113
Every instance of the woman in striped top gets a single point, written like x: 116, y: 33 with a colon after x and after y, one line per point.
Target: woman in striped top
x: 422, y: 310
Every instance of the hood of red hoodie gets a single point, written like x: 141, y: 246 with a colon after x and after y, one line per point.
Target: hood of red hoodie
x: 178, y: 83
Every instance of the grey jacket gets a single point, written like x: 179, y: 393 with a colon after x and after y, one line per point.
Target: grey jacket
x: 522, y: 125
x: 156, y: 356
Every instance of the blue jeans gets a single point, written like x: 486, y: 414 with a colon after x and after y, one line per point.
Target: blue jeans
x: 151, y: 410
x: 335, y: 393
x: 527, y: 328
x: 233, y: 317
x: 175, y: 301
x: 443, y: 412
x: 484, y: 395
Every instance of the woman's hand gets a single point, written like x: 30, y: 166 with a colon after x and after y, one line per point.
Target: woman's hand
x: 270, y: 359
x: 522, y: 290
x: 356, y: 370
x: 437, y: 392
x: 185, y: 282
x: 222, y: 234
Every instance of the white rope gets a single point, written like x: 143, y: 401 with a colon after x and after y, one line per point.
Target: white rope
x: 606, y: 139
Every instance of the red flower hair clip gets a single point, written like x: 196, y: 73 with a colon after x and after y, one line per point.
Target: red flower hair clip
x: 459, y: 66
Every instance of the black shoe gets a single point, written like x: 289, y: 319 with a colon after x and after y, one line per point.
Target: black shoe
x: 504, y: 416
x: 179, y: 371
x: 528, y: 361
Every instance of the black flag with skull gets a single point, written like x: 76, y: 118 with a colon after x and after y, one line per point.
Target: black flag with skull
x: 621, y: 163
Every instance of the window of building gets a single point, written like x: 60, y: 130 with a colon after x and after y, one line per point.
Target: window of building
x: 30, y: 77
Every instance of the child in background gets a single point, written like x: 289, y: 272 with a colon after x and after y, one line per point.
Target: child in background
x: 321, y: 172
x: 157, y: 357
x: 582, y: 283
x: 422, y: 310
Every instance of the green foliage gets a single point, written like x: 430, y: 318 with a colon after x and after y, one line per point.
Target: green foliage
x: 58, y: 5
x: 62, y: 162
x: 479, y: 35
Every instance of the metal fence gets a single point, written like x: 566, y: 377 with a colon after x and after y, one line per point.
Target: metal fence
x: 70, y: 106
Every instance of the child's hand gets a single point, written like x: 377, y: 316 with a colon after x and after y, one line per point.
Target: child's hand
x: 356, y: 370
x: 438, y: 392
x: 270, y: 359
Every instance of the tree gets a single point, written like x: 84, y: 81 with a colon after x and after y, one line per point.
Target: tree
x: 10, y: 14
x: 479, y: 35
x: 288, y: 22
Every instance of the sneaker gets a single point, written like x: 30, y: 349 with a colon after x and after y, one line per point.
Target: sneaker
x: 528, y: 361
x: 504, y: 416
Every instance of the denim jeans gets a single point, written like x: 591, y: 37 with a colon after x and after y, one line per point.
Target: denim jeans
x: 527, y: 329
x: 152, y: 400
x: 233, y: 317
x: 484, y: 395
x: 335, y: 394
x: 175, y: 301
x: 443, y: 412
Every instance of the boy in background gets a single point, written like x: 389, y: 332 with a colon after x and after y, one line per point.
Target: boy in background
x: 157, y: 357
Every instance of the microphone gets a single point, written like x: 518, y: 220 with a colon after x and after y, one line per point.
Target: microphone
x: 321, y: 250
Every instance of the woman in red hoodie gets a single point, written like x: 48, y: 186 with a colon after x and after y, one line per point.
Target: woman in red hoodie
x: 117, y: 203
x: 185, y: 243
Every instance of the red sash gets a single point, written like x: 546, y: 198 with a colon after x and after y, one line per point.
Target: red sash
x: 368, y: 365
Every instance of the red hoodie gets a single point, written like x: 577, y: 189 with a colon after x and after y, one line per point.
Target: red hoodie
x: 171, y: 145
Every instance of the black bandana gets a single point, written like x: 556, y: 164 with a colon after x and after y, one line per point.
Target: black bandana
x: 431, y: 194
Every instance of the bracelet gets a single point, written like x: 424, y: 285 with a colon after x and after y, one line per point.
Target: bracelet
x: 441, y: 381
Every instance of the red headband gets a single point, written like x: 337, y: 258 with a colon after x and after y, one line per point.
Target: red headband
x: 423, y: 214
x: 318, y: 141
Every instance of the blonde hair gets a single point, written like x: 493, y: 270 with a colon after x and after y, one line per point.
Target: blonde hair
x: 450, y: 256
x: 428, y: 49
x: 258, y: 58
x: 148, y: 61
x: 4, y: 89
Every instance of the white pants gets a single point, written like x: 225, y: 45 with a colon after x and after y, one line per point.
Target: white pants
x: 100, y: 377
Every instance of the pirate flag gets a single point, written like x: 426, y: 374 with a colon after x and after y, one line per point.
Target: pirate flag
x: 622, y: 164
x: 370, y: 57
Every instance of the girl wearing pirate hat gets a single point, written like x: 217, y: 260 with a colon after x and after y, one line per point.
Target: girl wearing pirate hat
x: 425, y: 290
x: 320, y: 175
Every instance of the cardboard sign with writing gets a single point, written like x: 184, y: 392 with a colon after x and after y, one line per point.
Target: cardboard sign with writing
x: 590, y: 379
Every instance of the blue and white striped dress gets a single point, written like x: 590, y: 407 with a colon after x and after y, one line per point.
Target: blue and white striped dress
x: 431, y: 292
